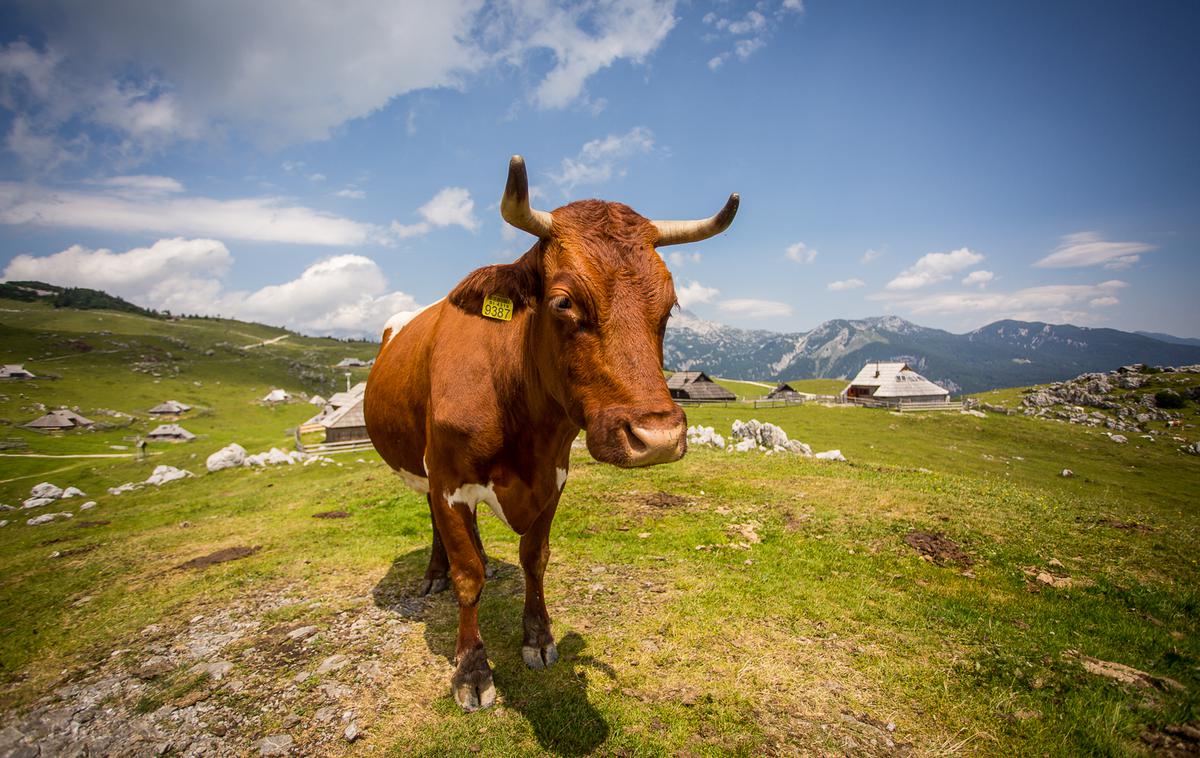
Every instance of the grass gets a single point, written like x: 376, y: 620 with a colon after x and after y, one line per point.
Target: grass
x: 674, y: 640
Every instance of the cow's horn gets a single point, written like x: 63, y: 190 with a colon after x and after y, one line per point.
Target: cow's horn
x: 514, y: 206
x: 678, y: 232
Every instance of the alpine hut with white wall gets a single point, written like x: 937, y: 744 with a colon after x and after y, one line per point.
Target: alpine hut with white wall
x: 893, y: 384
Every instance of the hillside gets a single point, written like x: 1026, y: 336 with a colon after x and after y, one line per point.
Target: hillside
x: 945, y: 584
x: 1001, y: 354
x: 80, y: 298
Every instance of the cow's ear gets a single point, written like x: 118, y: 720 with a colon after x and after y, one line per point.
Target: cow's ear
x: 520, y: 281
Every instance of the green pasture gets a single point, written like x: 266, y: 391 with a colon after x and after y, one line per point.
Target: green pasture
x: 680, y: 634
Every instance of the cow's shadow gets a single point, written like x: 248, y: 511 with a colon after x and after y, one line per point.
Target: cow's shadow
x: 554, y: 701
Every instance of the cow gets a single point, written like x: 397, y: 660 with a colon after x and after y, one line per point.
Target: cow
x: 478, y: 397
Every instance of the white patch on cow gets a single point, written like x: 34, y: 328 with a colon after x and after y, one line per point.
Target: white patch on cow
x: 416, y: 483
x: 398, y: 321
x: 471, y: 495
x: 560, y: 477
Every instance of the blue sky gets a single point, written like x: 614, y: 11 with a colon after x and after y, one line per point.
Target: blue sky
x: 321, y: 168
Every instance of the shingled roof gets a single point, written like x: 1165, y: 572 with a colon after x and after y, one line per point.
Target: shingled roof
x: 895, y: 380
x: 171, y: 432
x: 696, y: 385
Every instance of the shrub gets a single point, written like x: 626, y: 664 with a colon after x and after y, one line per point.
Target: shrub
x: 1169, y: 399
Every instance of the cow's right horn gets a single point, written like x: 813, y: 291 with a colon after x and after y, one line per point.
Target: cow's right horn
x: 514, y: 206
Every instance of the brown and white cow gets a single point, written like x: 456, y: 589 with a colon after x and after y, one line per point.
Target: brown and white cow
x: 475, y: 409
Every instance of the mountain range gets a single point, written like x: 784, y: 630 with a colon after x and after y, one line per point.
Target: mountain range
x: 1002, y: 354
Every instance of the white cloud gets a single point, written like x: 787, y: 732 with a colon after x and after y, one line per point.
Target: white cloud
x: 351, y: 193
x: 452, y: 206
x: 141, y: 185
x: 287, y: 75
x: 801, y: 253
x: 695, y: 293
x: 869, y: 256
x: 585, y: 38
x: 980, y: 278
x: 1052, y: 302
x: 753, y: 308
x: 751, y: 30
x: 600, y: 159
x: 344, y: 295
x: 845, y: 284
x: 266, y: 219
x: 680, y: 257
x: 1090, y: 249
x: 934, y: 267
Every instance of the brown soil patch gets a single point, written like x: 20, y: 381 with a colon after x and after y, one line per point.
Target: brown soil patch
x: 331, y: 514
x: 1129, y: 526
x: 74, y: 551
x: 664, y: 500
x: 221, y: 556
x: 1173, y: 741
x: 938, y: 548
x: 86, y: 524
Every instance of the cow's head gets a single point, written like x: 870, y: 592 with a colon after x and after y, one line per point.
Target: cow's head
x: 597, y: 298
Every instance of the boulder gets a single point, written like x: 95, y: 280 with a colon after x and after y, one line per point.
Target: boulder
x: 1067, y: 473
x: 164, y: 474
x: 88, y: 505
x: 830, y: 455
x: 72, y: 492
x: 46, y: 490
x: 229, y: 456
x: 1118, y: 438
x: 46, y: 518
x: 37, y: 502
x: 705, y: 436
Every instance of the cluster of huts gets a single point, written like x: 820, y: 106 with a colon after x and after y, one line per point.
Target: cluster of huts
x: 878, y: 383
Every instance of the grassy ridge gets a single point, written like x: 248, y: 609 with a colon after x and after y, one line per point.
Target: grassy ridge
x: 813, y: 639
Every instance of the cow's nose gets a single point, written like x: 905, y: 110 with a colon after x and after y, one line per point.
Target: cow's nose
x: 654, y: 438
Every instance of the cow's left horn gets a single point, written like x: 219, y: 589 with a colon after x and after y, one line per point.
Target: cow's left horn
x: 678, y: 232
x: 514, y: 206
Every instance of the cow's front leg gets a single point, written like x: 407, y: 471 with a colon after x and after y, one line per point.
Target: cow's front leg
x: 538, y: 649
x: 471, y: 683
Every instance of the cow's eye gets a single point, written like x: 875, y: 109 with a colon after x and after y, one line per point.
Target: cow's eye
x: 562, y: 303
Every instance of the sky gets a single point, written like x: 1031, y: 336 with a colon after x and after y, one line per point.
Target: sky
x: 321, y: 167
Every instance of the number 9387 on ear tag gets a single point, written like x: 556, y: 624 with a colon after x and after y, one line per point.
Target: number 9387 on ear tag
x: 498, y: 307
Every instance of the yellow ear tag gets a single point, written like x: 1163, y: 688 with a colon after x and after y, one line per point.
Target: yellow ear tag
x: 498, y: 307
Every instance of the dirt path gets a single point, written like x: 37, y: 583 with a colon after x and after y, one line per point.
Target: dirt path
x: 67, y: 455
x: 271, y: 341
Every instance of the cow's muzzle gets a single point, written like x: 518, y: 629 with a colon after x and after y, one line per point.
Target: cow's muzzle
x: 630, y: 437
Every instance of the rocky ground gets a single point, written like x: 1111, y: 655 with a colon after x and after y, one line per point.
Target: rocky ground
x: 1128, y: 400
x: 234, y: 682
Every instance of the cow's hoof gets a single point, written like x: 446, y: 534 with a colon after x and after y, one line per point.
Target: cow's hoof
x: 471, y: 684
x: 540, y: 657
x: 434, y: 586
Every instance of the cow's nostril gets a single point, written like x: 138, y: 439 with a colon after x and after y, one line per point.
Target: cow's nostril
x: 636, y: 444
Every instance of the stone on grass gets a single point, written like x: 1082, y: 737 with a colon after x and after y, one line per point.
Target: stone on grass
x: 275, y: 744
x: 164, y: 474
x: 227, y: 457
x: 1118, y: 438
x: 46, y: 489
x: 72, y: 492
x: 1067, y: 473
x: 46, y: 518
x: 351, y: 733
x: 3, y: 523
x: 88, y: 505
x: 705, y: 436
x: 37, y: 502
x: 830, y: 455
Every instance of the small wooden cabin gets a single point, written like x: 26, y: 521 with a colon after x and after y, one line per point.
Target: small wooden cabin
x: 697, y: 387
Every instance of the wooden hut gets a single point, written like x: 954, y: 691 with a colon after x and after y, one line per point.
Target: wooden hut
x: 352, y: 363
x: 277, y: 396
x: 786, y: 393
x: 59, y: 420
x: 170, y: 433
x: 697, y: 387
x: 346, y: 424
x: 893, y: 384
x: 15, y: 371
x: 170, y: 408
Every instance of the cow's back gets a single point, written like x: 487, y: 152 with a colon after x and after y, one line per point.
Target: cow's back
x: 397, y: 396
